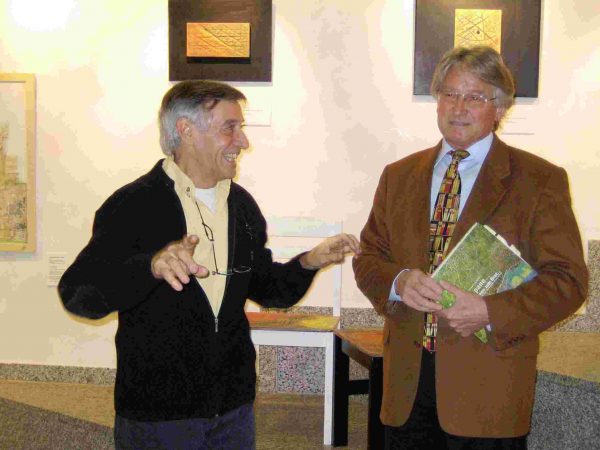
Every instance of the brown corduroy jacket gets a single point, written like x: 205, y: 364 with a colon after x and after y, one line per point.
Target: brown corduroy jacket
x: 483, y: 390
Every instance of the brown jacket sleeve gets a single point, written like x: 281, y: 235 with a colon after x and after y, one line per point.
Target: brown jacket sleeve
x: 553, y: 248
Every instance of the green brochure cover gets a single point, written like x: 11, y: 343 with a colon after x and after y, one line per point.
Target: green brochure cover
x: 483, y: 263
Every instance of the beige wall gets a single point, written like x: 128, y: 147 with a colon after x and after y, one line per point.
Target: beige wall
x: 341, y: 107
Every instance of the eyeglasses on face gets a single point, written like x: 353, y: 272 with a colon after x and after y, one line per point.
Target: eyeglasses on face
x: 472, y: 100
x: 209, y: 235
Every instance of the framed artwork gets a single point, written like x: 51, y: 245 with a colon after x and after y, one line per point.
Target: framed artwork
x: 17, y: 162
x: 226, y: 40
x: 511, y: 27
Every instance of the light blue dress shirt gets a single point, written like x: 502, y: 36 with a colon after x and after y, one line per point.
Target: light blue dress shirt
x: 468, y: 169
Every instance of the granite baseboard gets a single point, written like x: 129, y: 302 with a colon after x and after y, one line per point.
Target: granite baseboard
x: 302, y: 369
x: 60, y: 374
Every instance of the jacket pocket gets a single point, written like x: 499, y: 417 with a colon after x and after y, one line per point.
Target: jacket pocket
x: 525, y: 348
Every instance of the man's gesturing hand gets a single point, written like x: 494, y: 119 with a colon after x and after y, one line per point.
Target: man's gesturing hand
x: 330, y: 251
x: 175, y: 263
x: 419, y: 291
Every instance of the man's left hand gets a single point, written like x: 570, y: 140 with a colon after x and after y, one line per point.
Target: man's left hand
x: 331, y: 251
x: 468, y: 314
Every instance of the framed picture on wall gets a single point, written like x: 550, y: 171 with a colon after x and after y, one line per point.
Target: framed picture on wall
x: 220, y: 40
x: 17, y: 162
x: 511, y: 27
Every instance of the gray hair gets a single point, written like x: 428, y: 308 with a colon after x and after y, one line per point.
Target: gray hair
x: 193, y: 100
x: 483, y: 62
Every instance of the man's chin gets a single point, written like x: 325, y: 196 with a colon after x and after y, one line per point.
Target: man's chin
x: 230, y: 175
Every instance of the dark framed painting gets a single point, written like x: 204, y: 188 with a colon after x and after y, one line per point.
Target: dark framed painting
x: 511, y: 27
x: 226, y: 40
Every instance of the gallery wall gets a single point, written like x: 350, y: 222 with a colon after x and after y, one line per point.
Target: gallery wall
x: 340, y: 107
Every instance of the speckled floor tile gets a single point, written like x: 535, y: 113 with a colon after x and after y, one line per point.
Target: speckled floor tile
x: 565, y: 414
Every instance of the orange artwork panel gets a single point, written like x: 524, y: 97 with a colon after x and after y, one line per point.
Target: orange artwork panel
x: 218, y: 40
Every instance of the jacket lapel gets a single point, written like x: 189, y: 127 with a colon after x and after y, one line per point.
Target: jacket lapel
x: 420, y: 197
x: 489, y: 188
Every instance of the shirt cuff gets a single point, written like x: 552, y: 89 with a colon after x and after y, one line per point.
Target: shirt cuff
x: 394, y: 297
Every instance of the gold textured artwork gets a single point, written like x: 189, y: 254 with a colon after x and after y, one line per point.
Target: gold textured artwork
x: 218, y: 40
x: 478, y: 27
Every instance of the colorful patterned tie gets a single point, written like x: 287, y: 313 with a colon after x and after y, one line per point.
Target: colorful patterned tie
x: 445, y: 215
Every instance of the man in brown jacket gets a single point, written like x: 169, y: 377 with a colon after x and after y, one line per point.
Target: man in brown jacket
x: 456, y: 392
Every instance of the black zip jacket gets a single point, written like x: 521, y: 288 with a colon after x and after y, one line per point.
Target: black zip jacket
x: 175, y: 359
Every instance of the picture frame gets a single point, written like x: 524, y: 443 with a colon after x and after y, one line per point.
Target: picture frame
x: 256, y: 13
x: 17, y: 163
x: 436, y: 24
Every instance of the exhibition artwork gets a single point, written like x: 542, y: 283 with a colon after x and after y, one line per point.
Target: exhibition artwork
x: 511, y: 28
x: 218, y: 40
x: 474, y: 27
x: 17, y: 163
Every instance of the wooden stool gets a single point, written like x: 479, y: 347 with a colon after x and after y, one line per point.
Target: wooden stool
x: 365, y: 346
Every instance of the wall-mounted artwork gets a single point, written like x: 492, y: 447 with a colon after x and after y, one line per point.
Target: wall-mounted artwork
x: 17, y: 163
x: 511, y: 27
x: 218, y: 40
x: 227, y: 40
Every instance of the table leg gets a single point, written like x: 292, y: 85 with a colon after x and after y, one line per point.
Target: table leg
x: 375, y: 430
x: 340, y: 395
x: 329, y: 371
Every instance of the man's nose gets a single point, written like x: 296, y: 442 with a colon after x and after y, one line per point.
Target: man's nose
x: 242, y: 139
x: 460, y: 104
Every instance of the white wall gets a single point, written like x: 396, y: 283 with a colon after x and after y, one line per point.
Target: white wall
x: 342, y: 108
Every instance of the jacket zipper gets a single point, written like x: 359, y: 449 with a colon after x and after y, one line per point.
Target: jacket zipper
x: 229, y: 251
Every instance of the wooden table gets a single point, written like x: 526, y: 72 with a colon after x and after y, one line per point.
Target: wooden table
x: 364, y: 346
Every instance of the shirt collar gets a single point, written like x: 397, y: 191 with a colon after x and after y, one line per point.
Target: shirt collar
x: 185, y: 186
x: 477, y: 152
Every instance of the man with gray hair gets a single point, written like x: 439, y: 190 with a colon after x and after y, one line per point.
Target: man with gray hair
x: 176, y: 253
x: 443, y: 387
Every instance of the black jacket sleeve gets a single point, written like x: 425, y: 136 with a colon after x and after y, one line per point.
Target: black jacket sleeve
x: 112, y: 272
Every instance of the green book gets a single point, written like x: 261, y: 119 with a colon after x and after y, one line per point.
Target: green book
x: 483, y: 263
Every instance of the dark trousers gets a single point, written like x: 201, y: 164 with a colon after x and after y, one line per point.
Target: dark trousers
x: 234, y: 430
x: 423, y: 431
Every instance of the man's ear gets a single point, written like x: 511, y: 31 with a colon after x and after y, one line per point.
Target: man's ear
x: 500, y: 112
x: 183, y: 128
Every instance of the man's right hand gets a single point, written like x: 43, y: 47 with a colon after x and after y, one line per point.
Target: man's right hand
x: 175, y: 263
x: 419, y: 291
